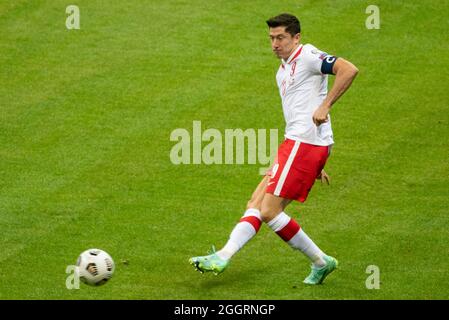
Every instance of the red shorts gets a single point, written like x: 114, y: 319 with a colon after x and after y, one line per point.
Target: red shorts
x: 295, y: 169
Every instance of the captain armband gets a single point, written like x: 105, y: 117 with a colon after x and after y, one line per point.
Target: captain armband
x: 328, y: 64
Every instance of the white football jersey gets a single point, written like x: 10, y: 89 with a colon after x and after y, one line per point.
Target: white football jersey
x: 302, y: 82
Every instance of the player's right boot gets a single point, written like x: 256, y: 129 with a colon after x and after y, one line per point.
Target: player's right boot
x: 317, y: 275
x: 211, y: 263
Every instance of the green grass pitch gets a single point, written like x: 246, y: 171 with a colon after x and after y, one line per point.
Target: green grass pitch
x: 86, y: 117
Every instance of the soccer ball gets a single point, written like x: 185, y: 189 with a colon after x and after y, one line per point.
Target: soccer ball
x: 95, y: 267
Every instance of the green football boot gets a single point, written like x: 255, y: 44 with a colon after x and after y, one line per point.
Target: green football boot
x: 211, y: 263
x: 319, y: 274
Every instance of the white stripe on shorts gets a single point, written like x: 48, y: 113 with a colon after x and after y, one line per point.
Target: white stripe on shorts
x: 286, y: 169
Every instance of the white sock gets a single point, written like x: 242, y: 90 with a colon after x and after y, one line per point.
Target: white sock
x: 302, y: 242
x: 290, y: 231
x: 241, y: 234
x: 279, y: 222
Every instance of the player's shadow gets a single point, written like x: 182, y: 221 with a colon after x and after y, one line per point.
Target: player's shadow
x: 230, y: 278
x: 214, y: 282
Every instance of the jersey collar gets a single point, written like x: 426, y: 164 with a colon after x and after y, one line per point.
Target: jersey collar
x: 294, y: 55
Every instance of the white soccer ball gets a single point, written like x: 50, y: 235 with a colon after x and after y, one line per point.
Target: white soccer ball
x: 95, y: 267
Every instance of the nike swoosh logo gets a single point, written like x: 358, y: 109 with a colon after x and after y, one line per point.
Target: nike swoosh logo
x: 270, y: 183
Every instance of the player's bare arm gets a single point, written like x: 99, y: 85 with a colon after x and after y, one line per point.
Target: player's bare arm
x: 345, y: 72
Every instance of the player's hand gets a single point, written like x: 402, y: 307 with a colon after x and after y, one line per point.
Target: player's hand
x: 324, y: 177
x: 321, y: 115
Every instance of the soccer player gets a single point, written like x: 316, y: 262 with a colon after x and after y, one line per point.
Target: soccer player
x: 302, y: 81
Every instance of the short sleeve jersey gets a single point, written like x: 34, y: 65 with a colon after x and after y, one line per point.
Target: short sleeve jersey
x: 302, y: 82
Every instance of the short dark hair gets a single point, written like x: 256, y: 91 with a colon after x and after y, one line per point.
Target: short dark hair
x: 285, y: 20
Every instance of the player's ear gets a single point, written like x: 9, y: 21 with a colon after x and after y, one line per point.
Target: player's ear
x: 297, y: 37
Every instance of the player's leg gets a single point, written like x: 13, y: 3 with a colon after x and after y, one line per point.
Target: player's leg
x: 288, y: 229
x: 248, y: 225
x: 299, y: 165
x: 244, y: 231
x: 256, y: 198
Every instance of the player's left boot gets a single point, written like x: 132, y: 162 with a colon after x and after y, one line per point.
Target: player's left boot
x: 319, y: 274
x: 211, y: 263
